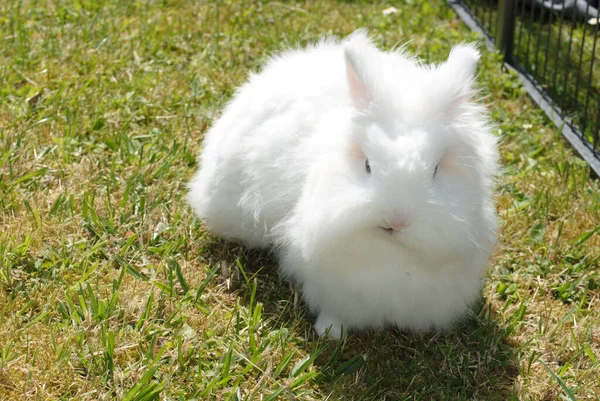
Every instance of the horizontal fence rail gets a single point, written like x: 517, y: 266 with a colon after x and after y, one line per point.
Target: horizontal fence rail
x: 553, y: 45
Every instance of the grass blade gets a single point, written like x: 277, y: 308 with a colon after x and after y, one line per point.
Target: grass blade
x: 562, y: 384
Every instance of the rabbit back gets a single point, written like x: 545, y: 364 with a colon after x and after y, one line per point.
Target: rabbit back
x: 254, y: 159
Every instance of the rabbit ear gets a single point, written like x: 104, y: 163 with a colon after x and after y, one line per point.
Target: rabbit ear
x: 358, y: 89
x: 456, y: 76
x: 463, y: 60
x: 356, y: 53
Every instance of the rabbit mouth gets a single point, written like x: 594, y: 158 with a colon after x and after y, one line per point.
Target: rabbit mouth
x: 388, y: 230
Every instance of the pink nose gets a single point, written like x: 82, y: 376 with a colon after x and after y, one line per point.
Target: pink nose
x: 397, y: 224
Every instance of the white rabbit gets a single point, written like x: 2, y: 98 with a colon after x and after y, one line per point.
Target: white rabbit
x: 368, y: 172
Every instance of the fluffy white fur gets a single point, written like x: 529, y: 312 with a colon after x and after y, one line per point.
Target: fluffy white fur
x: 285, y: 168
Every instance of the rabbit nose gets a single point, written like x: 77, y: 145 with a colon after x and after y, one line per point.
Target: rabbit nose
x: 397, y: 224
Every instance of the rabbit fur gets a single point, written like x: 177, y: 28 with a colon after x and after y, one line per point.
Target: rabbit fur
x: 368, y: 172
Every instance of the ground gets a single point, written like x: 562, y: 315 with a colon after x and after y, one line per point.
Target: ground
x: 110, y: 289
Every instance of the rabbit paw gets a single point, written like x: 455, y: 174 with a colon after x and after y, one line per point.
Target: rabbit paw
x: 326, y: 324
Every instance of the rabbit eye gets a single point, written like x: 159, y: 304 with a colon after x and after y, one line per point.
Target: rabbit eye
x: 436, y: 170
x: 367, y: 166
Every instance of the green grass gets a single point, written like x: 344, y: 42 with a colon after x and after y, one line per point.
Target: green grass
x: 110, y: 289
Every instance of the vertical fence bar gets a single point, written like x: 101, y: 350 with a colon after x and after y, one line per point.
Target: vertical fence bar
x: 557, y: 56
x: 577, y: 79
x: 529, y: 35
x: 568, y: 59
x: 521, y: 24
x: 505, y: 29
x: 589, y: 89
x: 538, y: 43
x: 491, y: 22
x: 547, y: 51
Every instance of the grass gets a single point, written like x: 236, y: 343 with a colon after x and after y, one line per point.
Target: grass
x: 110, y: 289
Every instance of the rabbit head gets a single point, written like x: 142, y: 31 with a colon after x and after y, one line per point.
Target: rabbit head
x: 412, y: 171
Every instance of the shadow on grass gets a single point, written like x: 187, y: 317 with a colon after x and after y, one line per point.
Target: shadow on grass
x: 471, y: 361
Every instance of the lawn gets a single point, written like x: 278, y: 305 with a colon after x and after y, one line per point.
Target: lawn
x: 111, y: 289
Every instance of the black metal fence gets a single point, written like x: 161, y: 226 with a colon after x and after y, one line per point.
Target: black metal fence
x: 553, y: 45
